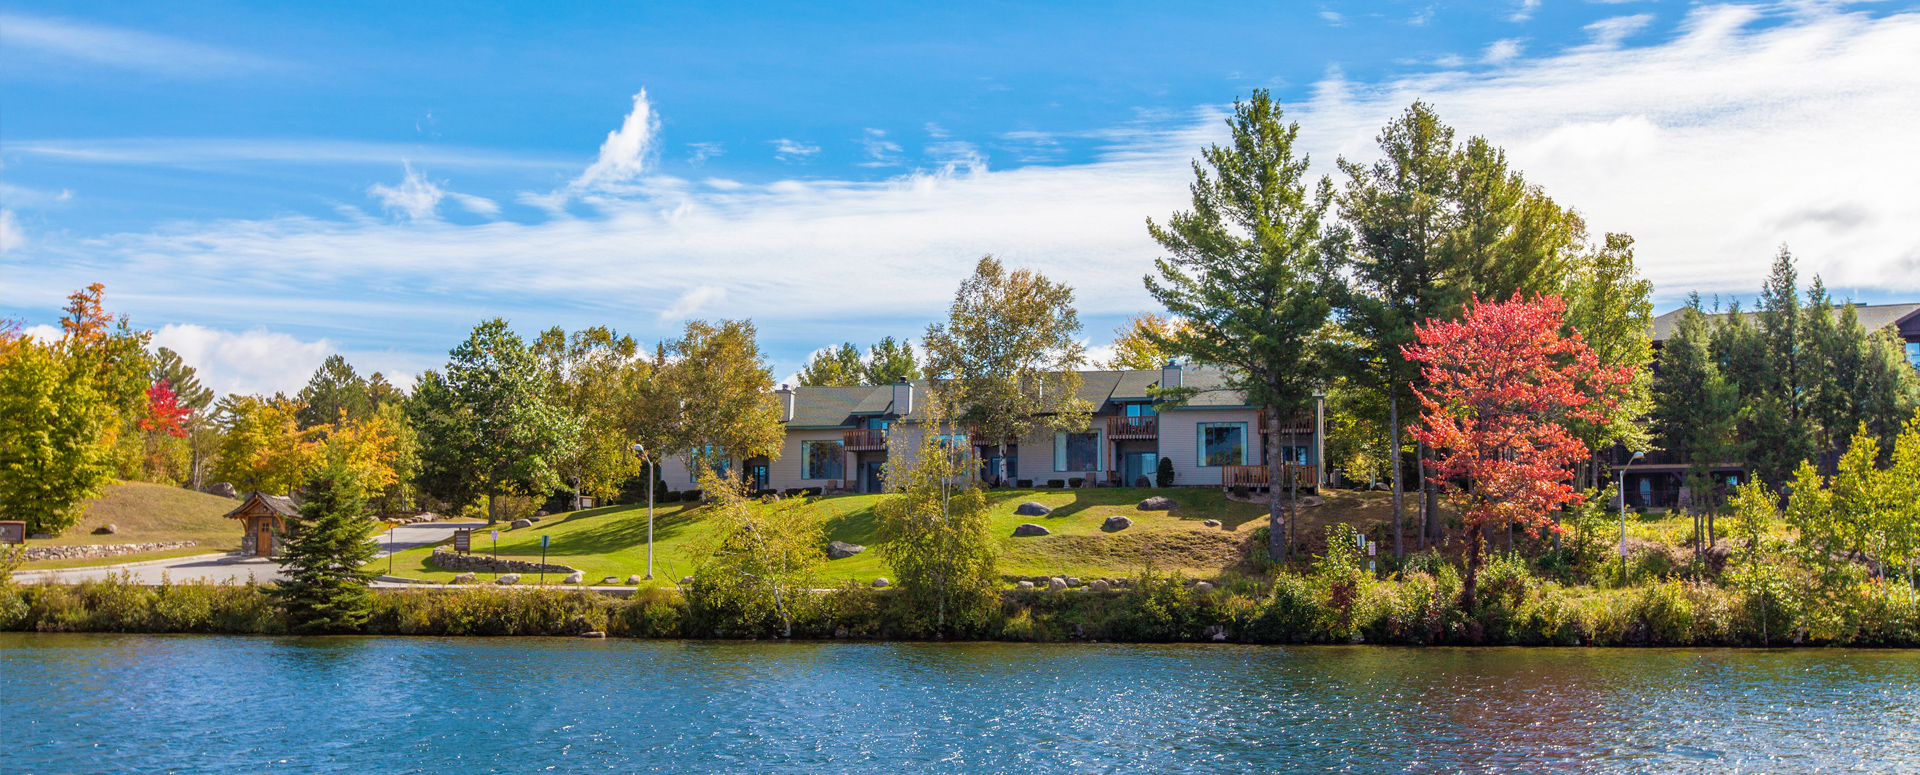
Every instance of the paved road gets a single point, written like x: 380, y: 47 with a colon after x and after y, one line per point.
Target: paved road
x: 222, y: 568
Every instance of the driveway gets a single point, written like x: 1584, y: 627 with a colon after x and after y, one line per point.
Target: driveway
x: 233, y: 569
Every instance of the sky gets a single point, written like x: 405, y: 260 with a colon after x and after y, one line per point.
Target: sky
x: 265, y: 184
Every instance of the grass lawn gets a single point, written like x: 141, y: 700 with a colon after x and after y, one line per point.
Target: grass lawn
x: 611, y: 541
x: 145, y: 513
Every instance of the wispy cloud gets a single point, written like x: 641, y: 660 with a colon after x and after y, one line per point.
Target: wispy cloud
x: 63, y: 41
x: 1525, y: 11
x: 881, y: 152
x: 10, y: 235
x: 791, y: 150
x: 1608, y: 33
x: 1334, y: 18
x: 623, y: 157
x: 1501, y: 52
x: 691, y: 302
x: 477, y: 205
x: 704, y: 151
x: 416, y: 197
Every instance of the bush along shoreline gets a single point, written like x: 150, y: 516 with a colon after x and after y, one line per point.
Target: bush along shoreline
x: 1329, y: 606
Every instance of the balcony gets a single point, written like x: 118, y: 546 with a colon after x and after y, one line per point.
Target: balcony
x: 864, y: 439
x: 1307, y: 476
x: 1122, y: 428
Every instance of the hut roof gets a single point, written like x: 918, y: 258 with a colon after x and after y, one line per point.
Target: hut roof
x: 257, y: 501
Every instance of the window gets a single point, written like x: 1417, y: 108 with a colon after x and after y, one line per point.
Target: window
x: 823, y: 459
x: 877, y: 424
x: 1223, y: 444
x: 1913, y: 354
x: 1076, y: 451
x: 952, y: 440
x: 1141, y: 410
x: 1294, y: 455
x: 715, y: 458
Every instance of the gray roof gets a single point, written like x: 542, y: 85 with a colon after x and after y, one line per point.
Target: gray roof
x: 838, y: 407
x: 1872, y: 316
x: 280, y: 504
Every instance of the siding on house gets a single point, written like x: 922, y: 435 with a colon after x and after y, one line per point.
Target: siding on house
x: 1179, y: 442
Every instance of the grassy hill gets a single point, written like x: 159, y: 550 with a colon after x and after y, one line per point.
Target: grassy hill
x: 145, y: 513
x: 611, y: 541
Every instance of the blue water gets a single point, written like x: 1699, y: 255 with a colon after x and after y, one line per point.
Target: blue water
x: 197, y: 704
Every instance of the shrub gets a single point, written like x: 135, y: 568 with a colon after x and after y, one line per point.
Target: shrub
x: 690, y: 496
x: 792, y: 491
x: 1024, y: 484
x: 1662, y: 614
x: 1288, y: 615
x: 1075, y: 482
x: 1163, y: 475
x: 1056, y: 483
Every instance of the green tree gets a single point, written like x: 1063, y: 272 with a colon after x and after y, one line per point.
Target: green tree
x: 1772, y: 378
x: 591, y: 375
x: 54, y: 423
x: 835, y: 366
x: 334, y: 391
x: 486, y: 428
x: 1134, y: 344
x: 1005, y: 359
x: 1252, y: 274
x: 723, y: 409
x: 889, y: 361
x: 181, y: 378
x: 323, y: 550
x: 934, y: 536
x: 1695, y: 408
x: 759, y: 564
x: 262, y: 446
x: 1611, y: 306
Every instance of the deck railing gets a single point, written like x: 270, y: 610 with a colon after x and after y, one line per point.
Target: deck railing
x: 1119, y: 428
x: 865, y: 439
x: 1256, y: 476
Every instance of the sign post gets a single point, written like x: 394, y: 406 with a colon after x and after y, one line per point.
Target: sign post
x: 13, y: 531
x: 543, y: 557
x: 463, y: 541
x: 496, y: 553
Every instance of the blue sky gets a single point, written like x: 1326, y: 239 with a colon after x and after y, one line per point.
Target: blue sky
x: 269, y: 183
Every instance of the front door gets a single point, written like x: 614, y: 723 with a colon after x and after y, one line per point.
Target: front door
x: 264, y: 544
x: 870, y: 475
x: 1135, y: 465
x: 757, y: 476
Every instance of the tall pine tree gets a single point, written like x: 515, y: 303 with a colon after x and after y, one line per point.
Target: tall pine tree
x: 323, y: 550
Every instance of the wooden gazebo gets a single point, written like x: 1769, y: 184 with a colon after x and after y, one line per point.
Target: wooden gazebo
x: 263, y: 517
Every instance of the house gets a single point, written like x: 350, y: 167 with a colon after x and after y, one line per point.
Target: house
x: 841, y: 438
x: 1658, y: 479
x: 262, y: 518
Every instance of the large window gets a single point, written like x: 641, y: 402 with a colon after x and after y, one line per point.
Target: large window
x: 952, y: 440
x: 1076, y: 451
x: 715, y: 458
x: 1141, y: 410
x: 823, y: 459
x: 1913, y: 354
x: 1223, y: 444
x: 1296, y: 455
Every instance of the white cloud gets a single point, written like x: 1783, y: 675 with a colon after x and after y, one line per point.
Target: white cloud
x: 1333, y: 17
x: 691, y: 302
x: 704, y: 151
x: 416, y: 197
x: 790, y: 150
x: 255, y: 361
x: 67, y: 41
x: 1711, y: 148
x: 10, y: 234
x: 1607, y: 33
x: 1525, y: 11
x: 1501, y: 52
x: 478, y: 205
x: 42, y: 332
x: 881, y: 152
x: 623, y: 157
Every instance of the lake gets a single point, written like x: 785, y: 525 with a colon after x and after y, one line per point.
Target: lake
x: 208, y: 704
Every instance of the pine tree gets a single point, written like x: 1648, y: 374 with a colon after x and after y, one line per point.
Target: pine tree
x: 890, y: 361
x: 323, y: 550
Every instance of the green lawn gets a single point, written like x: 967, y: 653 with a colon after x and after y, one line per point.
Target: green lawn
x: 146, y: 513
x: 611, y: 541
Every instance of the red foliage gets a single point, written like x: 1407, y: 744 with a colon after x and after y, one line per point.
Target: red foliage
x: 164, y: 412
x: 1500, y: 381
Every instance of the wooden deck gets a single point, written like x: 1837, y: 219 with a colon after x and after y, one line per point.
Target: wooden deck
x: 1122, y: 428
x: 864, y: 440
x: 1307, y: 476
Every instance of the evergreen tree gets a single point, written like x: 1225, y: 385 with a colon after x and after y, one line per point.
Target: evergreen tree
x: 1252, y: 276
x: 335, y: 391
x: 834, y: 366
x: 889, y: 361
x: 1773, y: 389
x: 1695, y: 409
x: 182, y: 379
x: 324, y: 549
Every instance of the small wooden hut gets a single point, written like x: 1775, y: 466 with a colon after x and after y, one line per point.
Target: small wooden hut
x: 263, y: 517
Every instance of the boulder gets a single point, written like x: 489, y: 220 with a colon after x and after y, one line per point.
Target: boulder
x: 41, y: 536
x: 1030, y: 529
x: 1211, y: 522
x: 1032, y: 509
x: 534, y: 518
x: 508, y: 578
x: 466, y: 578
x: 686, y: 581
x: 1310, y: 501
x: 575, y: 577
x: 1057, y: 584
x: 596, y: 634
x: 610, y: 580
x: 1116, y: 522
x: 1025, y: 585
x: 106, y: 530
x: 222, y: 489
x: 1073, y: 581
x: 1203, y: 587
x: 634, y: 580
x: 1100, y: 585
x: 520, y: 523
x: 881, y: 583
x: 1158, y: 503
x: 840, y: 550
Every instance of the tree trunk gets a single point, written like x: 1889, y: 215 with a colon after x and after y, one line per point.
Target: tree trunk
x: 1471, y: 587
x: 493, y: 509
x: 1393, y: 428
x: 1293, y: 492
x: 1277, y: 549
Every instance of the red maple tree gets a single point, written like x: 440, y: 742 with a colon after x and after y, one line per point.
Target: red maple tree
x: 164, y: 412
x: 1501, y: 381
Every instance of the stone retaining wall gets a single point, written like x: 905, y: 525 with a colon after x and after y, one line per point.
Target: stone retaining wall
x: 87, y: 551
x: 480, y: 563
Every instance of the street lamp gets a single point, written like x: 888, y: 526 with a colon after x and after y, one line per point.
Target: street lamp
x: 1622, y: 490
x: 641, y: 450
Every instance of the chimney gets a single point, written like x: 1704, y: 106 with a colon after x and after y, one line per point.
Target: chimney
x: 1170, y: 375
x: 902, y: 397
x: 786, y: 402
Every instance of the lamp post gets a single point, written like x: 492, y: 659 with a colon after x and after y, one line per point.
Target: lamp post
x: 1622, y: 490
x: 641, y: 450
